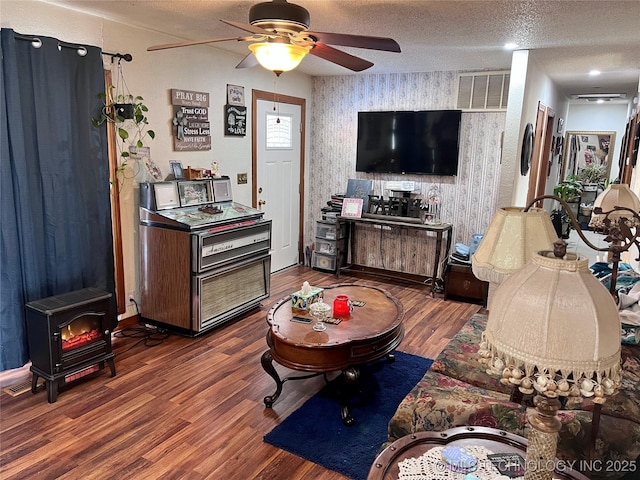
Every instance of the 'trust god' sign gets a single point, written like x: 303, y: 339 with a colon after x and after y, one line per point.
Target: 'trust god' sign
x: 191, y: 128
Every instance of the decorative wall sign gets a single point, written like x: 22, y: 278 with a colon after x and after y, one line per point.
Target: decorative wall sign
x: 235, y: 95
x: 191, y: 127
x: 235, y: 120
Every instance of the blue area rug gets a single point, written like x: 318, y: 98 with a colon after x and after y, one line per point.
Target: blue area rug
x: 316, y: 432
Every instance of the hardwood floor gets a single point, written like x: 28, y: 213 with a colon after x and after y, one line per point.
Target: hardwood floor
x: 191, y: 408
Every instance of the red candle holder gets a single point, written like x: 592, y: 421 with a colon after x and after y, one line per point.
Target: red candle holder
x: 341, y: 306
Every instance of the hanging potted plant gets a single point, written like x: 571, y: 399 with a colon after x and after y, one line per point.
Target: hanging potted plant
x: 128, y: 113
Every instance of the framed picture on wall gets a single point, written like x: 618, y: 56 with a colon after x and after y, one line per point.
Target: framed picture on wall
x: 235, y: 95
x: 176, y: 169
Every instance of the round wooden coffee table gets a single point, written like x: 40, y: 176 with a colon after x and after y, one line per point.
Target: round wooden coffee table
x: 385, y: 466
x: 372, y: 331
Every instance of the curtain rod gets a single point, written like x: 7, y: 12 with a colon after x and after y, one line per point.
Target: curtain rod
x: 127, y: 57
x: 82, y: 51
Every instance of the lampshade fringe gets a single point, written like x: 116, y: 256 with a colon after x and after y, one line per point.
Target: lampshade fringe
x: 596, y: 383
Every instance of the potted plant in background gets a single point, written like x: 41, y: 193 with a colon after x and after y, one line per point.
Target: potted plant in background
x: 592, y: 177
x: 569, y: 190
x: 128, y: 113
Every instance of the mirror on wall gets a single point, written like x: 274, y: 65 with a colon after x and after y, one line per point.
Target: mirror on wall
x: 584, y: 149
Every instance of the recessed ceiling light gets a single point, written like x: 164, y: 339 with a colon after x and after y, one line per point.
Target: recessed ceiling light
x: 594, y: 73
x: 510, y: 46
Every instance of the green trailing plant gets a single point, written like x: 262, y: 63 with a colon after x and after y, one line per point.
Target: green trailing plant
x: 128, y: 113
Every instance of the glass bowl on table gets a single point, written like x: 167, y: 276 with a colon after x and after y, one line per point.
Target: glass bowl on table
x: 319, y: 310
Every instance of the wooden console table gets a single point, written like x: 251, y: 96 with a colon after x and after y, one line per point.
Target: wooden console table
x: 424, y: 277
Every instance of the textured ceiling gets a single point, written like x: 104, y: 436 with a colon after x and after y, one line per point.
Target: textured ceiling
x: 566, y: 38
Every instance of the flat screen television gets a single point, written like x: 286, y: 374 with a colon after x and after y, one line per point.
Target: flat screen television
x: 421, y: 142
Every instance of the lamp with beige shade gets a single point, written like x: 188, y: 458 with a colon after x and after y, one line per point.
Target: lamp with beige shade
x: 553, y: 329
x: 509, y: 242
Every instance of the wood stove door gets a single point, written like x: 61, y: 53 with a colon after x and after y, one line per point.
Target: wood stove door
x: 81, y: 339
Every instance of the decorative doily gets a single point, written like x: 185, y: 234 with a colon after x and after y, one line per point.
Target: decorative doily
x: 429, y: 466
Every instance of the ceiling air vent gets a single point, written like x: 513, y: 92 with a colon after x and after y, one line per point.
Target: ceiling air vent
x: 483, y: 91
x: 599, y: 97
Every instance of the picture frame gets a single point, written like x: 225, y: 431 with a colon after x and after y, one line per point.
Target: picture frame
x: 176, y: 169
x: 361, y: 189
x: 582, y: 148
x: 235, y: 95
x: 352, y: 207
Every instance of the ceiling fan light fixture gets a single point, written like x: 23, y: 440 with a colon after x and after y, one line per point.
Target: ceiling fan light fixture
x: 279, y: 13
x: 279, y: 57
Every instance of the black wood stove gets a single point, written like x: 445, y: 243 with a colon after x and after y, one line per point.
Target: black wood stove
x: 69, y: 337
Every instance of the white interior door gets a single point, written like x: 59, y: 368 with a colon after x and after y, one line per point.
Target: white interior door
x: 278, y: 140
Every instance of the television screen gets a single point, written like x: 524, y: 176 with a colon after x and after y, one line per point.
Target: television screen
x: 422, y: 142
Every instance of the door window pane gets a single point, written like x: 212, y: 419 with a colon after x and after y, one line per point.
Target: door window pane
x: 279, y: 132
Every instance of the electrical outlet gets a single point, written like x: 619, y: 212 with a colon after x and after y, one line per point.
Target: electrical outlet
x: 131, y: 297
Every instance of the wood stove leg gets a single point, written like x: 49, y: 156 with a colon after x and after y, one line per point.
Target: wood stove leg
x: 34, y: 382
x: 52, y: 390
x: 112, y: 366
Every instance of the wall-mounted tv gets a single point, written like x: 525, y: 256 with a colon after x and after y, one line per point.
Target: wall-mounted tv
x: 421, y: 142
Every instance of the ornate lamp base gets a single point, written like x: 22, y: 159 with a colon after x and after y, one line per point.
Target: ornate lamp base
x: 543, y: 439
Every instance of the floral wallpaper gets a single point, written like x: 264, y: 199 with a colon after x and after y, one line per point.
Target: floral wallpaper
x: 467, y: 201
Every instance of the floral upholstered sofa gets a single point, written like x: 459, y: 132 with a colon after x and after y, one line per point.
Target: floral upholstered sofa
x: 456, y: 391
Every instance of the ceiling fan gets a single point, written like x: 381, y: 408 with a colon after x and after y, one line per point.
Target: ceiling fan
x: 281, y: 28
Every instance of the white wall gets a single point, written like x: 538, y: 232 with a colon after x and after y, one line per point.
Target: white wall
x: 512, y: 142
x: 532, y: 86
x: 600, y: 118
x: 152, y: 75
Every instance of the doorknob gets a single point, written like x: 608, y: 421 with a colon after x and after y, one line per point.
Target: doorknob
x: 261, y: 202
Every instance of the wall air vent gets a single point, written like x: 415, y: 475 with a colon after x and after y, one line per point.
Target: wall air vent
x: 482, y: 91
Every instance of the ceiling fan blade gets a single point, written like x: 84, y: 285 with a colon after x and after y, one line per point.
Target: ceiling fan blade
x: 197, y: 42
x: 358, y: 41
x: 249, y: 61
x: 247, y: 27
x: 339, y: 57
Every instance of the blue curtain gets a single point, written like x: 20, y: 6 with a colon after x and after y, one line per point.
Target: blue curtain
x: 56, y: 218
